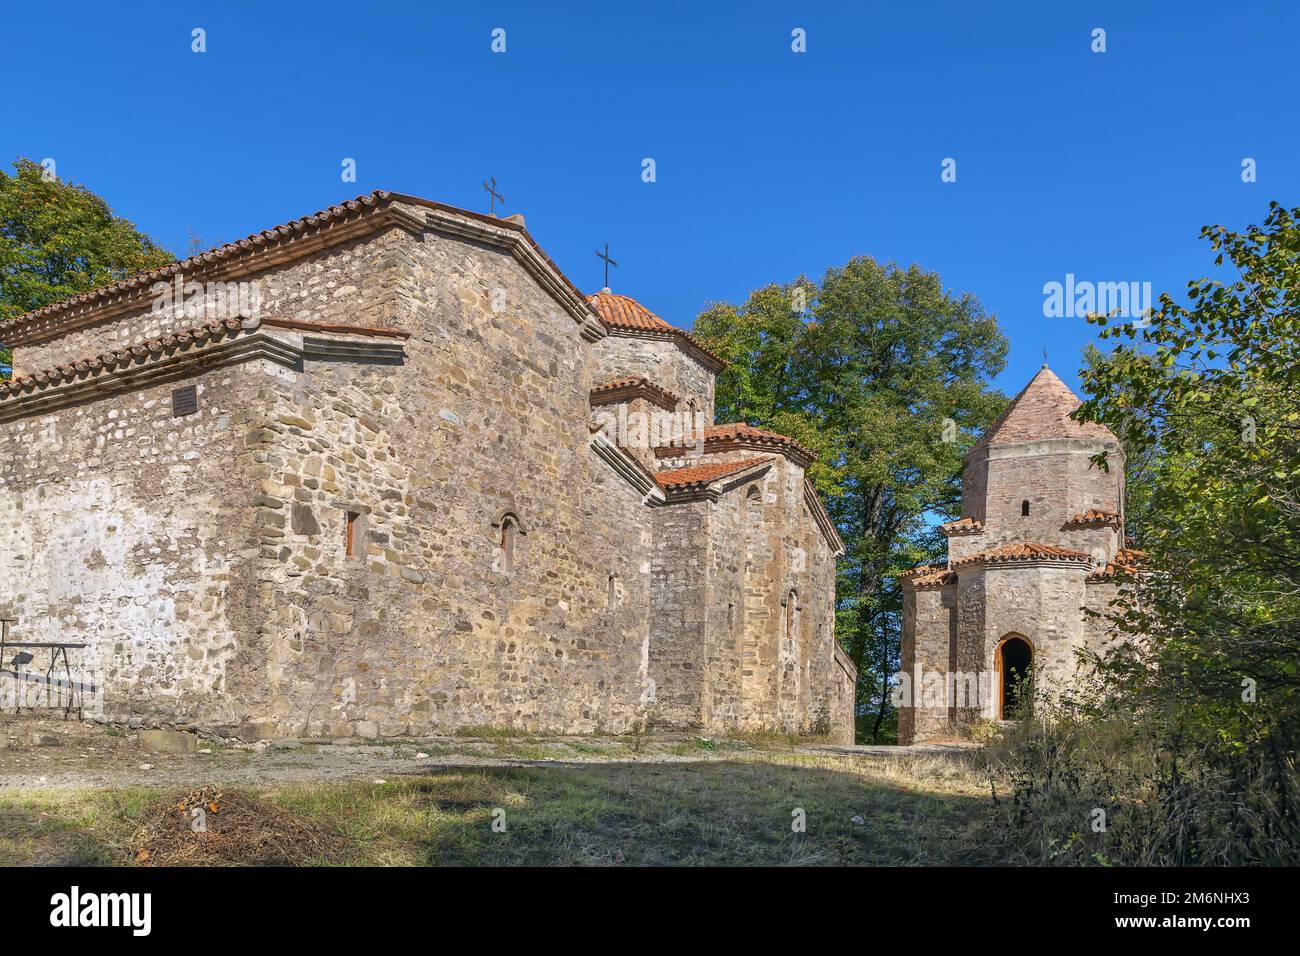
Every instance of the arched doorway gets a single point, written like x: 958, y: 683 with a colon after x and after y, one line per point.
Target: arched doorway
x: 1013, y: 662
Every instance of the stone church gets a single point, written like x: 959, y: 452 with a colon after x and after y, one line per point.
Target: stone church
x: 1040, y: 539
x: 384, y: 470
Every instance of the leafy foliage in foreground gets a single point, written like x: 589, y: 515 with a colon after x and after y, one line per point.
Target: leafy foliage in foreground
x: 1207, y: 703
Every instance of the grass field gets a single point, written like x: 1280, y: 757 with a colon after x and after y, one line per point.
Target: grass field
x: 743, y: 808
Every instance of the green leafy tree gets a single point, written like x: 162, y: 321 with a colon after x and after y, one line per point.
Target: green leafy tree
x: 884, y: 374
x: 1207, y: 396
x: 59, y: 239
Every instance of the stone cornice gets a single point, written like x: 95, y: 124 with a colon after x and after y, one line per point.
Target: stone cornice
x: 181, y: 355
x: 846, y: 663
x: 629, y: 389
x: 627, y: 468
x: 1045, y: 446
x: 304, y: 326
x: 822, y: 519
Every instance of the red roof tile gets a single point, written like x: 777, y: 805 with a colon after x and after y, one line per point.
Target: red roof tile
x: 1023, y: 551
x: 962, y: 526
x: 624, y: 312
x: 738, y: 435
x: 1127, y: 560
x: 698, y: 476
x: 1093, y: 517
x: 927, y: 576
x: 634, y: 386
x: 109, y: 361
x: 1042, y: 410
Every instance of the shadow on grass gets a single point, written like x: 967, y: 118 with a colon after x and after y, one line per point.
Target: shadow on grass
x: 721, y: 813
x: 30, y: 836
x: 733, y: 812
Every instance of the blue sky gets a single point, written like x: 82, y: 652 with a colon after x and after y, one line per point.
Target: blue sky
x: 769, y: 163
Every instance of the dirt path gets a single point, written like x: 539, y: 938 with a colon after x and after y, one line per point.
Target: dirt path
x: 54, y: 754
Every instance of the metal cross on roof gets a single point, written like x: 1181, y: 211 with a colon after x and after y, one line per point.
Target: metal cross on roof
x: 496, y: 197
x: 608, y: 262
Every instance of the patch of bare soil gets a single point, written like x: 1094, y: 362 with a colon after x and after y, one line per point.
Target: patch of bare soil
x: 211, y: 827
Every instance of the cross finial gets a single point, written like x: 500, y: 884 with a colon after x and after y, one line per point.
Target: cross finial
x: 608, y: 262
x: 495, y: 197
x: 1044, y: 356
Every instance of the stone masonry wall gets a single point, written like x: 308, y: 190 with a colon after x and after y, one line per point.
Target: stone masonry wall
x: 678, y: 613
x: 1043, y: 605
x: 1056, y: 477
x: 428, y: 630
x: 348, y: 284
x: 129, y: 530
x: 205, y: 559
x: 720, y: 649
x: 662, y: 361
x: 929, y: 649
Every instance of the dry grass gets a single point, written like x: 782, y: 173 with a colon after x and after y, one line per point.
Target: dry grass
x: 739, y: 810
x: 208, y: 827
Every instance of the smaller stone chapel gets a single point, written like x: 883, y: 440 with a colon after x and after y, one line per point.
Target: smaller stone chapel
x: 1039, y: 541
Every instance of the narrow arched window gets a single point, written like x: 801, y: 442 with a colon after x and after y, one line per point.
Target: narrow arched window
x: 350, y: 542
x: 1024, y: 509
x: 611, y: 591
x: 506, y: 549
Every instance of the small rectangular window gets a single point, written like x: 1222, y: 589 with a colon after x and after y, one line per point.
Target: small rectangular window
x: 185, y: 401
x: 350, y: 533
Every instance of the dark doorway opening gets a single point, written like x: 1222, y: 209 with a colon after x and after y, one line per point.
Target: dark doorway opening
x: 1015, y: 665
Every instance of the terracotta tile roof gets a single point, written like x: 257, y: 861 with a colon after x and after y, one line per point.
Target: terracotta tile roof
x: 352, y: 208
x: 1093, y: 517
x: 624, y: 312
x: 1127, y: 560
x: 1042, y: 410
x: 699, y: 476
x: 1024, y: 551
x: 305, y: 227
x: 962, y: 526
x: 738, y: 435
x: 928, y: 576
x: 633, y: 386
x: 110, y: 361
